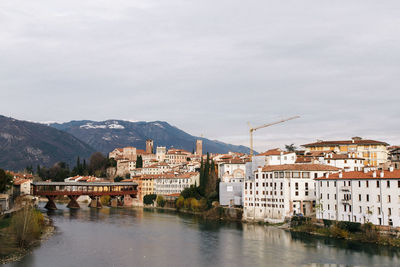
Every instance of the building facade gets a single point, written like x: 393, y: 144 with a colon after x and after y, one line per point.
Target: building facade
x: 363, y: 196
x: 281, y: 191
x: 374, y: 152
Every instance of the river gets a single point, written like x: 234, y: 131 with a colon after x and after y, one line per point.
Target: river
x: 136, y: 237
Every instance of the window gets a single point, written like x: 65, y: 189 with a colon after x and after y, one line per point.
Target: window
x: 281, y: 175
x: 377, y: 184
x: 388, y: 184
x: 327, y: 196
x: 296, y: 186
x: 389, y: 211
x: 389, y: 199
x: 367, y: 183
x: 306, y: 175
x: 379, y: 198
x: 276, y: 174
x: 379, y: 211
x: 295, y: 174
x: 360, y: 209
x: 359, y: 197
x: 359, y: 183
x: 367, y: 198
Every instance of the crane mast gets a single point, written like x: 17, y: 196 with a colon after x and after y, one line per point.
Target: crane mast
x: 263, y: 126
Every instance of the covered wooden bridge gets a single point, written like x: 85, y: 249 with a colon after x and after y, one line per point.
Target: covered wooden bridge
x: 73, y: 190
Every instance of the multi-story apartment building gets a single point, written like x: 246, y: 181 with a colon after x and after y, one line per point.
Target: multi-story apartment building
x: 166, y: 184
x: 155, y: 169
x: 360, y: 196
x: 374, y: 152
x: 346, y: 161
x: 177, y: 156
x: 278, y: 192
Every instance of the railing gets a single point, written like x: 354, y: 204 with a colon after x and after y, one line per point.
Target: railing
x: 345, y: 188
x: 86, y: 193
x: 346, y: 201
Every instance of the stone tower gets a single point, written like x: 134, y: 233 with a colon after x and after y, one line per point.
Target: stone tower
x: 199, y: 147
x: 149, y: 146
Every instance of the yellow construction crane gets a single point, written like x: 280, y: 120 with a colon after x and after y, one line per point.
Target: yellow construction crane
x: 263, y: 126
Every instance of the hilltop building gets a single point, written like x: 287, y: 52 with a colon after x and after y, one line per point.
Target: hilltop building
x: 374, y: 152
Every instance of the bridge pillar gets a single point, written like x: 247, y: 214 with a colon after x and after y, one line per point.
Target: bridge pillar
x: 73, y: 204
x: 114, y: 202
x: 120, y: 202
x: 95, y: 203
x: 50, y: 203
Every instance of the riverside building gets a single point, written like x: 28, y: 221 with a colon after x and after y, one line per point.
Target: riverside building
x: 280, y: 191
x: 360, y: 196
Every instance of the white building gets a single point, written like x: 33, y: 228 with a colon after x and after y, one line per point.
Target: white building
x: 155, y: 169
x: 278, y: 157
x: 232, y: 170
x: 367, y: 196
x: 280, y: 191
x: 168, y: 184
x: 161, y: 151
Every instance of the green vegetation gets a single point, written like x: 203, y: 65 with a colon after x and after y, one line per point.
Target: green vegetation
x: 97, y: 166
x: 344, y: 230
x: 149, y: 199
x: 118, y: 179
x: 139, y: 162
x: 27, y: 225
x: 160, y: 201
x: 5, y: 181
x: 105, y: 200
x: 20, y: 230
x: 200, y: 198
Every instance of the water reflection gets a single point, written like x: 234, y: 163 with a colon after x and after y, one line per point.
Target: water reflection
x: 145, y: 237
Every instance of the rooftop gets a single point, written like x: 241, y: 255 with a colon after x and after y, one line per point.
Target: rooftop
x: 299, y: 167
x: 395, y: 174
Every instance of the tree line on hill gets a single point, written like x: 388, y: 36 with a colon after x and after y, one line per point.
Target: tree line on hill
x: 96, y: 166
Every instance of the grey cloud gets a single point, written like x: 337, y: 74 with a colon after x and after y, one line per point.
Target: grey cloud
x: 207, y: 67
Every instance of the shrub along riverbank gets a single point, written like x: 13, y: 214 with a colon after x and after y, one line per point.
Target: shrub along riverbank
x: 21, y: 231
x: 367, y: 232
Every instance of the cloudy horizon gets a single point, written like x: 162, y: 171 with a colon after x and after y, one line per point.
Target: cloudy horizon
x: 207, y: 67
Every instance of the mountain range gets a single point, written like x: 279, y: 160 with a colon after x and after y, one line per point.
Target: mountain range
x: 24, y: 143
x: 104, y: 136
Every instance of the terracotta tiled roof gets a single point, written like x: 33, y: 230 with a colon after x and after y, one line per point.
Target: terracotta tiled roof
x: 299, y: 167
x: 345, y: 142
x: 21, y: 181
x: 395, y: 174
x: 273, y: 152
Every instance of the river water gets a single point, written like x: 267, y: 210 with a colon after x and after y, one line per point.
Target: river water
x: 137, y: 237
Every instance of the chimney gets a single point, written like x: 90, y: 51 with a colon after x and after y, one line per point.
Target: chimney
x: 340, y: 175
x: 391, y: 169
x: 382, y: 174
x: 365, y: 170
x: 327, y: 175
x: 374, y: 174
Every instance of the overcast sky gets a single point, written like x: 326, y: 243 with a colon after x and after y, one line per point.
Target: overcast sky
x: 207, y: 67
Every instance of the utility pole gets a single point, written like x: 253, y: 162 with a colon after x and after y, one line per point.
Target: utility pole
x: 263, y: 126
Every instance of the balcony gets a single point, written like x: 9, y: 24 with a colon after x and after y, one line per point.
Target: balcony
x: 345, y: 188
x: 345, y: 201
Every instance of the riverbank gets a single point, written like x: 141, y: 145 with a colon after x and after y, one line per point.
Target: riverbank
x: 10, y: 250
x: 363, y: 233
x: 214, y: 214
